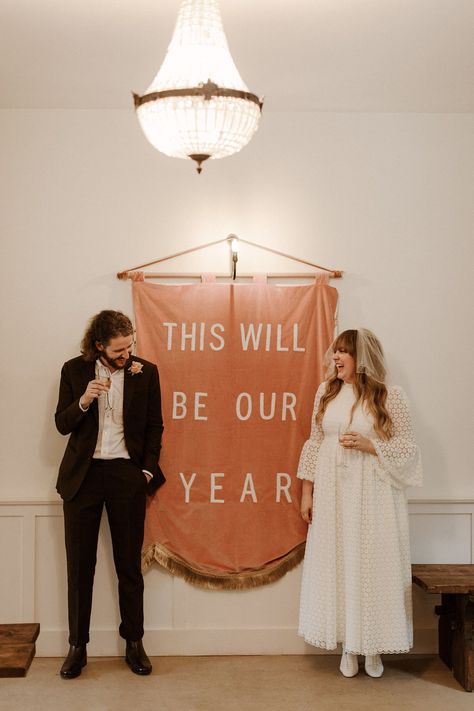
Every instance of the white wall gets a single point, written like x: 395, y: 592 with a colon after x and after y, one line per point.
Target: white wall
x: 385, y: 197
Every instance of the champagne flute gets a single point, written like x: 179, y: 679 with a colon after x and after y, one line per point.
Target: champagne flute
x: 103, y: 375
x: 342, y: 430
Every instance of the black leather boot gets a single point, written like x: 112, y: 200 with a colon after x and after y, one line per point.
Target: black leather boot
x: 137, y: 659
x: 75, y: 660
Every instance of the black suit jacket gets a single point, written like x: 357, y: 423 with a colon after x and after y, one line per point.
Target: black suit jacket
x: 142, y: 423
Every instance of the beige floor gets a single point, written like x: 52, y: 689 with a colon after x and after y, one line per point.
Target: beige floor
x: 236, y: 683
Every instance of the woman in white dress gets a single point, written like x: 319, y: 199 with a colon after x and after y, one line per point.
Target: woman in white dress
x: 356, y: 465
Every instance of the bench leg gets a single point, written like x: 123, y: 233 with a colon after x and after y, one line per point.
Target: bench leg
x: 446, y: 627
x: 456, y: 637
x: 463, y: 642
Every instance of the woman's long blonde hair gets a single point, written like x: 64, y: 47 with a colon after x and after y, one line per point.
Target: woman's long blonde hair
x: 369, y: 392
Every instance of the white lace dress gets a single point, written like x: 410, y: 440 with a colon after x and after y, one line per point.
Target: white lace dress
x: 356, y: 586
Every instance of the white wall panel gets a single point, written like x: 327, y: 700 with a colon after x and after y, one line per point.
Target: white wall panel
x: 160, y: 598
x: 439, y: 549
x: 442, y: 532
x: 50, y: 571
x: 267, y: 606
x: 11, y: 551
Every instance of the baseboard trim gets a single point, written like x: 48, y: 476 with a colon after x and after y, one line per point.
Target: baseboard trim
x: 206, y: 642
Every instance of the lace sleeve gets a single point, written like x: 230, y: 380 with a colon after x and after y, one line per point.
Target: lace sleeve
x: 309, y: 453
x: 400, y: 457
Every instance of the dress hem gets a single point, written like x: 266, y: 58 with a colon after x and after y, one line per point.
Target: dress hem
x: 324, y: 645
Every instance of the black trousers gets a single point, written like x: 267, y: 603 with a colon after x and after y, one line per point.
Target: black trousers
x: 120, y: 485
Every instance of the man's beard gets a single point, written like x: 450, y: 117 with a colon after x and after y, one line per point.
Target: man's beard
x: 114, y: 363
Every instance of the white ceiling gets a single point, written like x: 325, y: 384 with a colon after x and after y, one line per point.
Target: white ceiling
x: 313, y: 55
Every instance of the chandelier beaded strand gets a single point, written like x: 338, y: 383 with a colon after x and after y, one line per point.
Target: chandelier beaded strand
x: 198, y: 106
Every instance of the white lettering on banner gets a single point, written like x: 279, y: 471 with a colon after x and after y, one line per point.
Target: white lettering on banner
x: 244, y: 406
x: 215, y: 487
x: 187, y: 485
x: 190, y: 334
x: 288, y: 403
x: 238, y: 410
x: 201, y: 335
x: 280, y: 486
x: 268, y: 338
x: 214, y: 328
x: 272, y: 407
x: 296, y: 347
x: 179, y: 405
x: 251, y: 334
x: 248, y: 489
x: 245, y: 337
x: 193, y: 337
x: 283, y: 483
x: 279, y: 346
x: 170, y: 327
x: 198, y: 405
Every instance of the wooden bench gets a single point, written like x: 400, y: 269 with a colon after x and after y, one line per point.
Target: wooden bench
x: 455, y: 584
x: 17, y: 648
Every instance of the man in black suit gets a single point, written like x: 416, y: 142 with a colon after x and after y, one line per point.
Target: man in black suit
x: 110, y: 405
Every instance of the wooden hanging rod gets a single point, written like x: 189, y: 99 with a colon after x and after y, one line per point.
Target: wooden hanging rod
x: 126, y: 274
x: 198, y: 275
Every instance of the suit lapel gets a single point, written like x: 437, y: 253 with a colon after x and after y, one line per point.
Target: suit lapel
x: 128, y: 388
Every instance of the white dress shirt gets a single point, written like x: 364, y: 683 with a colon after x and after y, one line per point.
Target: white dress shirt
x: 111, y: 440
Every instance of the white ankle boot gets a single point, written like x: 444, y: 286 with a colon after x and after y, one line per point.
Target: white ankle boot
x: 373, y: 665
x: 349, y: 664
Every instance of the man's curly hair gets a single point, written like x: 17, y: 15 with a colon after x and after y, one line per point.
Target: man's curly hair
x: 101, y: 328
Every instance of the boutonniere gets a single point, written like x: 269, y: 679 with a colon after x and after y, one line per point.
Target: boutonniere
x: 136, y: 367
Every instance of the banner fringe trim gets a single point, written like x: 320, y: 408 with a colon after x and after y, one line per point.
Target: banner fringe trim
x: 269, y: 573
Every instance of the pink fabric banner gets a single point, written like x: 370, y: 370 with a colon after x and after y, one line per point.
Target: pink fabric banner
x: 239, y: 366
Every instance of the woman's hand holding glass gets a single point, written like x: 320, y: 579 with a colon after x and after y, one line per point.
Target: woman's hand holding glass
x: 355, y: 441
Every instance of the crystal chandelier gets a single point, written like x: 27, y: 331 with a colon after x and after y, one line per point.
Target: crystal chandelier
x: 198, y: 106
